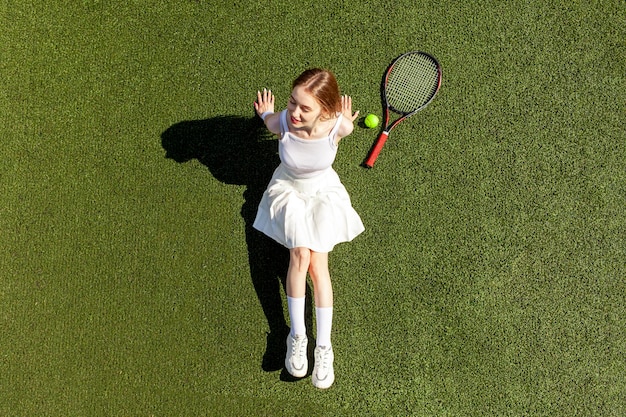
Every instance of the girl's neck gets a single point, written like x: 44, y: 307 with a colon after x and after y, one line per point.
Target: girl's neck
x: 320, y: 129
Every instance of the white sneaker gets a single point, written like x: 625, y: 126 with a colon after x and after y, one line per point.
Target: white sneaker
x: 323, y: 372
x: 296, y: 361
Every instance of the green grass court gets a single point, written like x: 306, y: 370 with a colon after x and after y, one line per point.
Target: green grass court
x: 490, y: 280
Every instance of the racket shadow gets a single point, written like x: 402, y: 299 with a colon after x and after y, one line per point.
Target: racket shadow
x: 240, y: 151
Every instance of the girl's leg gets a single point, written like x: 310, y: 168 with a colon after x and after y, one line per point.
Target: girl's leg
x: 323, y: 291
x: 323, y: 373
x: 299, y: 261
x: 320, y: 276
x: 296, y: 288
x: 296, y: 361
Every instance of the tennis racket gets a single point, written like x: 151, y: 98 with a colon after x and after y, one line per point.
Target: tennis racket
x: 409, y: 84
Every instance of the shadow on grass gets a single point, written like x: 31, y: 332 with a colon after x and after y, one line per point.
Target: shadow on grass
x: 240, y: 151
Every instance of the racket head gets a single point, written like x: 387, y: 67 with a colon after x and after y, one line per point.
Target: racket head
x: 411, y: 82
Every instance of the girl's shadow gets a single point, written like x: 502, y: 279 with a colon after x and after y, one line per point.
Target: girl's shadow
x: 239, y: 150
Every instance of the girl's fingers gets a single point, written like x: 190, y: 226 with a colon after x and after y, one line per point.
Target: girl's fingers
x: 265, y: 96
x: 346, y: 107
x: 346, y: 102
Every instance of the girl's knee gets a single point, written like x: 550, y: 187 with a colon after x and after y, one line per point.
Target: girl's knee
x: 318, y: 267
x: 301, y: 258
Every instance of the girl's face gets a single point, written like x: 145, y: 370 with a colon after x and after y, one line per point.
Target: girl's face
x: 303, y: 109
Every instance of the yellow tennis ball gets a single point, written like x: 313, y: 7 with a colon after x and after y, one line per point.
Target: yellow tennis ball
x: 371, y: 121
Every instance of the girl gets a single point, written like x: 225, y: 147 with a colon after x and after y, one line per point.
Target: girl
x: 306, y: 208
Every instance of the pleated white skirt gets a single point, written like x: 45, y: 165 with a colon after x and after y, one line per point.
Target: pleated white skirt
x: 314, y: 213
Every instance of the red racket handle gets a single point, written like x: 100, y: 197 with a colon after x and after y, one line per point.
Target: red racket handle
x: 378, y: 146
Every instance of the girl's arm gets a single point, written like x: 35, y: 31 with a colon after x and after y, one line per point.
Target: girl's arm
x: 264, y: 107
x: 347, y: 124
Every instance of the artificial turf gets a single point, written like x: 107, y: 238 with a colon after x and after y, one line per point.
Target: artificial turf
x: 489, y: 281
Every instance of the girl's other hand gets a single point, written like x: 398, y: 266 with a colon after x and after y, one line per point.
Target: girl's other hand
x: 264, y: 102
x: 346, y: 108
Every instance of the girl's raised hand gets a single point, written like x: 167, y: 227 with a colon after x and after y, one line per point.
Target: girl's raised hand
x: 346, y: 108
x: 264, y: 102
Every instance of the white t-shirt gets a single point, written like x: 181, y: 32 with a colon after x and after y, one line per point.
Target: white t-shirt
x: 306, y: 158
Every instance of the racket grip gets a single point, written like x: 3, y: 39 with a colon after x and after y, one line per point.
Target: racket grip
x: 378, y: 146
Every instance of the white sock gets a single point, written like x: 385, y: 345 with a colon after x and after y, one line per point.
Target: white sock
x: 324, y: 318
x: 296, y: 315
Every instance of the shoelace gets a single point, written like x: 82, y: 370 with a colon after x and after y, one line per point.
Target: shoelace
x: 324, y: 359
x: 298, y: 349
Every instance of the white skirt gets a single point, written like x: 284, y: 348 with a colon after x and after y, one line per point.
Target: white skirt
x: 314, y: 213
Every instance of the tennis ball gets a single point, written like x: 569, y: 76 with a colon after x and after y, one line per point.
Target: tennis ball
x: 371, y: 121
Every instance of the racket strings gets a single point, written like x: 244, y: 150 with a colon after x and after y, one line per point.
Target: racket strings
x: 412, y: 82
